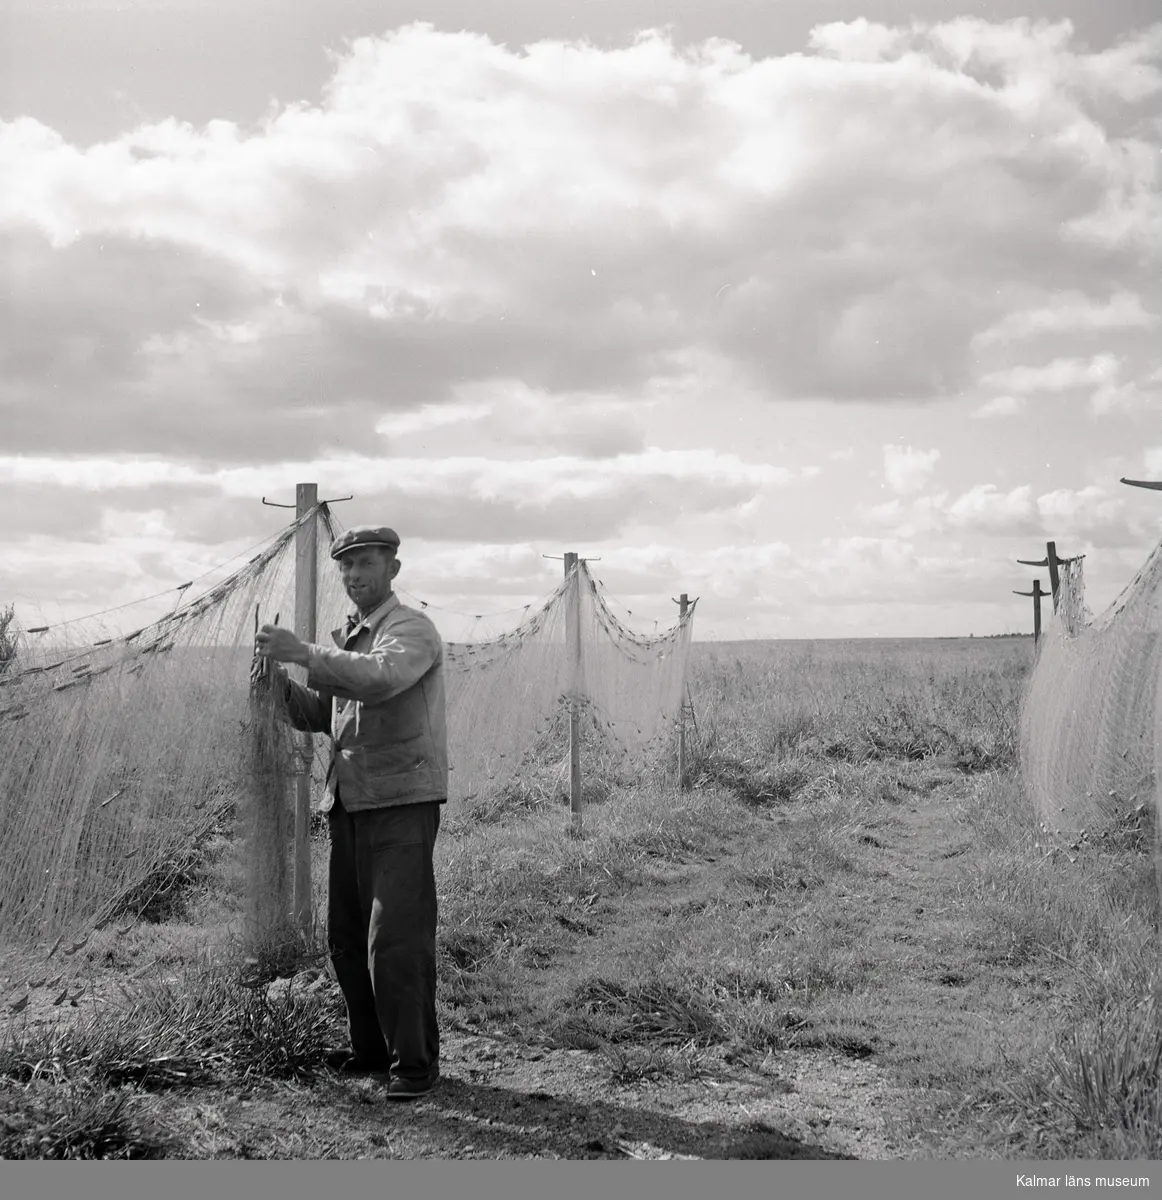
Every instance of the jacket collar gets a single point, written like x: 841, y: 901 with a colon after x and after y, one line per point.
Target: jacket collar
x: 369, y: 622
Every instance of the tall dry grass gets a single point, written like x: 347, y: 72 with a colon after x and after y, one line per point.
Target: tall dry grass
x: 721, y: 920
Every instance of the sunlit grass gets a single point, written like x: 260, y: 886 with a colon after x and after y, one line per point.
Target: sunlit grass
x: 854, y: 871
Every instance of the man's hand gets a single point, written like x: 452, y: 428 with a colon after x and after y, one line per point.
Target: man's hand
x: 279, y: 643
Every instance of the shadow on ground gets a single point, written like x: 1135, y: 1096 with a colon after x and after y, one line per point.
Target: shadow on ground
x: 501, y: 1122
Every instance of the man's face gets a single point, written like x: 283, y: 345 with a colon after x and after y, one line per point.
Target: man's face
x: 367, y: 574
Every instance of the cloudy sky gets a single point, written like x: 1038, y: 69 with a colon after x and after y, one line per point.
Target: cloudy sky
x: 823, y: 312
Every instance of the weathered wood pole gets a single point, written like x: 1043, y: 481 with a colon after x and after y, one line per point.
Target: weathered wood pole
x: 1053, y: 562
x: 683, y: 606
x: 1038, y: 595
x: 306, y: 606
x: 573, y: 649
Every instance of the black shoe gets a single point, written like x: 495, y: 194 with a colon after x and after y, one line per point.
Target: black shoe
x: 412, y: 1089
x: 409, y: 1089
x: 347, y: 1062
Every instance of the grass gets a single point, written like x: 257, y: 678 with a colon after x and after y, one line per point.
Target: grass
x: 83, y: 1089
x: 853, y: 873
x: 197, y: 1025
x: 84, y: 1120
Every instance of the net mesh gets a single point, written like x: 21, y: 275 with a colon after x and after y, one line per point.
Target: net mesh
x: 120, y: 749
x: 511, y: 700
x: 1091, y: 732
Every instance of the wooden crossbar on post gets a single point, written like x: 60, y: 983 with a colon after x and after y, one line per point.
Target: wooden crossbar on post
x: 573, y: 649
x: 1038, y: 595
x: 306, y: 601
x: 1054, y: 563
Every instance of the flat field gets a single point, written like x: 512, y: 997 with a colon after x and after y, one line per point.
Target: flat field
x: 846, y: 938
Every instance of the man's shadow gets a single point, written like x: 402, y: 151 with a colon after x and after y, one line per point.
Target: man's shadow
x: 501, y: 1122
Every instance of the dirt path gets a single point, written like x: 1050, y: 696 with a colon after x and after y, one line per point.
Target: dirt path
x: 500, y: 1098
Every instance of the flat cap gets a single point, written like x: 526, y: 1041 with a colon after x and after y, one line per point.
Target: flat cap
x: 365, y: 535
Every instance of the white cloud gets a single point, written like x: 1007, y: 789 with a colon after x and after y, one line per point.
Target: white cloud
x: 858, y: 41
x: 1069, y: 312
x: 986, y: 508
x: 906, y: 469
x: 1128, y: 397
x: 910, y: 519
x: 430, y: 417
x: 523, y: 481
x: 525, y: 478
x: 757, y: 571
x: 1060, y: 375
x: 457, y: 497
x: 578, y: 218
x: 1000, y: 406
x: 95, y: 474
x: 1090, y: 512
x: 466, y: 283
x: 896, y: 571
x: 1082, y: 511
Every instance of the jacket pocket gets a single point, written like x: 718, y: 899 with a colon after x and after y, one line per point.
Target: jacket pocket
x: 398, y: 758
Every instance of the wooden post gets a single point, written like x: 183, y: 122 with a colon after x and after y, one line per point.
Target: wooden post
x: 1038, y: 595
x: 573, y: 649
x: 1053, y: 562
x: 683, y: 605
x: 306, y: 601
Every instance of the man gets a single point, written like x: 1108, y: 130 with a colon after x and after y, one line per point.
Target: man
x: 380, y: 694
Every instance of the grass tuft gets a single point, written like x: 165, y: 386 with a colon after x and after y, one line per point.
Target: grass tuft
x: 199, y: 1026
x: 81, y: 1119
x: 1102, y: 1083
x: 656, y: 1012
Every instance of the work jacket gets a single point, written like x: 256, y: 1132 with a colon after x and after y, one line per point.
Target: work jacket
x: 380, y: 694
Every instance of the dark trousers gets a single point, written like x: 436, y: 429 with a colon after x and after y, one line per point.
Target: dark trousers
x: 381, y: 933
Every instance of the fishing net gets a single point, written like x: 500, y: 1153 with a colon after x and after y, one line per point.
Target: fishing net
x: 122, y: 749
x: 1091, y: 733
x: 513, y: 698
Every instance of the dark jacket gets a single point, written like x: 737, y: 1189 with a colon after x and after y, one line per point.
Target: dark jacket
x: 380, y: 695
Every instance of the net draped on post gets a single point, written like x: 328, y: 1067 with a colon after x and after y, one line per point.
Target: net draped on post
x: 1091, y: 726
x: 510, y: 700
x: 121, y: 750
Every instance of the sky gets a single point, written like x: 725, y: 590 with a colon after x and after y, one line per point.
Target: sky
x: 824, y: 313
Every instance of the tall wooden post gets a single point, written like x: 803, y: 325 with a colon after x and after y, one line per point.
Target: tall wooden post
x: 1053, y: 563
x: 306, y: 601
x: 573, y: 649
x: 683, y: 606
x: 1038, y: 595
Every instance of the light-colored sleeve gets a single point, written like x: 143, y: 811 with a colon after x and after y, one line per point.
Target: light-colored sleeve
x: 401, y: 655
